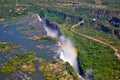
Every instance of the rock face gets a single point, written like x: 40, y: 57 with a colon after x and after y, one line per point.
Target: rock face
x: 117, y: 33
x: 112, y: 17
x: 66, y: 17
x: 114, y: 22
x: 110, y: 31
x: 105, y: 29
x: 103, y: 13
x: 51, y: 24
x: 74, y: 19
x: 52, y: 29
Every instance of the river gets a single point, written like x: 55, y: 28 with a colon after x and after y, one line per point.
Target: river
x: 12, y: 35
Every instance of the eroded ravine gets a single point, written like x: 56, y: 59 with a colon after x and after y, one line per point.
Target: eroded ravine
x: 116, y: 51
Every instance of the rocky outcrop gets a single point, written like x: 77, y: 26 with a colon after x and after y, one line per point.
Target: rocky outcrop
x: 111, y: 31
x: 51, y: 24
x: 66, y: 17
x: 100, y: 15
x: 103, y: 13
x: 114, y: 22
x: 52, y: 28
x: 73, y: 19
x: 117, y: 33
x: 105, y: 29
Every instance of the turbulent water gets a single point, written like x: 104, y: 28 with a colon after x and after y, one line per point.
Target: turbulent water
x: 66, y: 51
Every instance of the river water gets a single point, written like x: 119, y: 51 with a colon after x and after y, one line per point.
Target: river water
x: 12, y: 35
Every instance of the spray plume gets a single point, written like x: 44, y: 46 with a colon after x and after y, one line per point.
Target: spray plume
x: 67, y: 52
x: 51, y: 28
x: 88, y: 74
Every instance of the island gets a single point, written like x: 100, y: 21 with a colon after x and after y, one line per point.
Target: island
x: 23, y: 62
x: 59, y: 70
x: 7, y: 47
x: 44, y: 39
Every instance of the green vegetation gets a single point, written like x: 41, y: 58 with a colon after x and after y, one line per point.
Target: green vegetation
x: 7, y: 2
x: 44, y: 39
x: 71, y: 70
x: 7, y: 68
x: 106, y: 37
x: 88, y: 1
x: 24, y: 62
x: 7, y: 11
x: 58, y: 70
x: 27, y: 30
x: 4, y: 46
x: 94, y: 55
x: 91, y: 54
x: 111, y: 3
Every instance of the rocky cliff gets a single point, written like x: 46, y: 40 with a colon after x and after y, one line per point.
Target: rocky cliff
x: 112, y: 17
x: 104, y: 13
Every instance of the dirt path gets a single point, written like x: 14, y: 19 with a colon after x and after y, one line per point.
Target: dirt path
x: 94, y: 39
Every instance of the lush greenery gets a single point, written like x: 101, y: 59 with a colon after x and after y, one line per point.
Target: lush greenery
x: 96, y: 33
x: 44, y: 38
x: 58, y: 70
x: 7, y: 2
x: 111, y: 3
x: 91, y: 54
x: 94, y: 55
x: 7, y: 68
x: 4, y: 46
x: 24, y: 62
x: 15, y: 8
x: 70, y: 70
x: 27, y: 30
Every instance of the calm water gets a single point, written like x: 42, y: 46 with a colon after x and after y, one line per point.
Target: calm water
x: 12, y: 35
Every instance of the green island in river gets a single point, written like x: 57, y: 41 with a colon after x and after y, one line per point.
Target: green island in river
x: 44, y: 39
x: 24, y: 62
x: 5, y: 46
x: 57, y: 70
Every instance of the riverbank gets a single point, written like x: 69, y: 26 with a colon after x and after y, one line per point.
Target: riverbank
x: 93, y: 56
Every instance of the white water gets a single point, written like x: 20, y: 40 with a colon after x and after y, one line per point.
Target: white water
x: 39, y: 18
x: 67, y: 52
x: 50, y: 32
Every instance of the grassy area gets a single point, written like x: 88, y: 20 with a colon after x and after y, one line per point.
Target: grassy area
x: 4, y: 46
x: 93, y: 55
x: 24, y: 62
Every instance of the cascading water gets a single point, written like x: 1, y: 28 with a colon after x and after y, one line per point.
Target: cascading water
x: 51, y: 28
x: 66, y: 51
